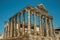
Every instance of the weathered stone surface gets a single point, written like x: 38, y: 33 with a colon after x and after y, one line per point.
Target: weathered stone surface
x: 20, y: 30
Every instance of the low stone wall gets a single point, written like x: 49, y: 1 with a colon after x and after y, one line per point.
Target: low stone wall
x: 33, y: 38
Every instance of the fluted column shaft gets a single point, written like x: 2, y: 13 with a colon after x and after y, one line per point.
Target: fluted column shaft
x: 14, y: 26
x: 48, y: 20
x: 46, y: 26
x: 4, y: 32
x: 18, y: 24
x: 40, y: 25
x: 28, y: 21
x: 23, y: 22
x: 52, y: 27
x: 11, y: 29
x: 9, y: 26
x: 34, y: 23
x: 8, y: 30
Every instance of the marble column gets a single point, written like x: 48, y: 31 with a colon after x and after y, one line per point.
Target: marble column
x: 28, y: 22
x: 51, y: 28
x: 46, y: 26
x: 34, y: 23
x: 11, y: 29
x: 53, y: 32
x: 15, y: 26
x: 48, y: 21
x: 9, y: 26
x: 8, y: 30
x: 4, y: 31
x: 23, y: 22
x: 18, y: 25
x: 40, y: 25
x: 35, y: 30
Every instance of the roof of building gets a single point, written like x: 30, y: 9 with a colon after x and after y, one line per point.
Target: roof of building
x: 39, y: 8
x: 58, y: 29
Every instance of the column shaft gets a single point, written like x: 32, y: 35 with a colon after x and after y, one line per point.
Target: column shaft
x: 18, y: 24
x: 29, y: 22
x: 49, y: 26
x: 23, y: 22
x: 52, y: 27
x: 15, y: 26
x: 34, y: 23
x: 7, y: 32
x: 8, y: 29
x: 40, y: 25
x: 46, y: 26
x: 4, y: 32
x: 11, y: 28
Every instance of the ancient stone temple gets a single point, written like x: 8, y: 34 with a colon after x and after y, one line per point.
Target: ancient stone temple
x: 30, y: 23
